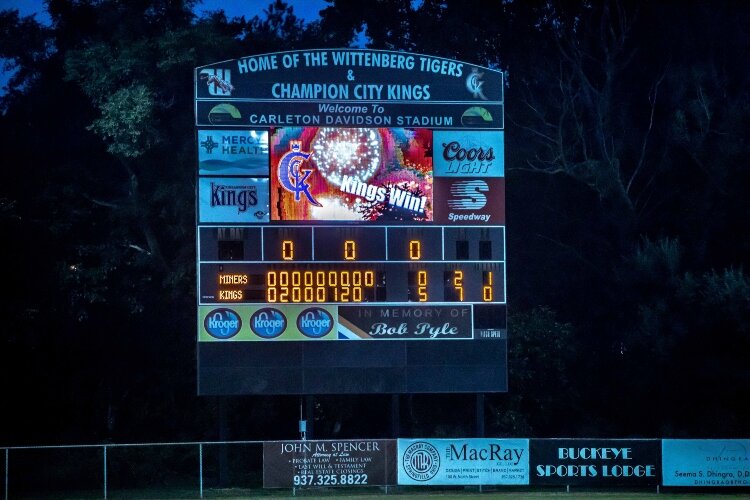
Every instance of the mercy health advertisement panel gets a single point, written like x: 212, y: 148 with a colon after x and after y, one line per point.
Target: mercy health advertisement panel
x: 347, y: 196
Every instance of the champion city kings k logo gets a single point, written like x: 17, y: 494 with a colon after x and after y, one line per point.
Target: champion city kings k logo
x: 474, y: 84
x: 293, y: 173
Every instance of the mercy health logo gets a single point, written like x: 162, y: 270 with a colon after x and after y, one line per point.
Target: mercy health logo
x: 475, y: 154
x: 219, y: 81
x: 473, y: 201
x: 232, y: 199
x: 268, y: 323
x: 233, y: 152
x: 315, y: 322
x: 222, y: 323
x: 421, y: 461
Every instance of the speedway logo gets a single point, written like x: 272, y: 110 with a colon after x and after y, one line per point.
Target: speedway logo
x: 468, y: 195
x: 476, y: 201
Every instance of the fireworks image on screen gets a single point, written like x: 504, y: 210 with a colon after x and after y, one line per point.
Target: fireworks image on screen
x: 359, y: 174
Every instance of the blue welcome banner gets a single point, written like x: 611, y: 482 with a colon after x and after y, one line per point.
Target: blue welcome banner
x: 463, y: 461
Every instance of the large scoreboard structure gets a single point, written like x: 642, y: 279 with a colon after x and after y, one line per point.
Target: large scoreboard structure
x: 350, y: 224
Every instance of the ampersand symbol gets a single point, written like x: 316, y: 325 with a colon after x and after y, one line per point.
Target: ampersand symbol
x: 350, y: 75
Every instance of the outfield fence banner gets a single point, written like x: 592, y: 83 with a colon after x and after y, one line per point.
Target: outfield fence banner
x: 463, y: 461
x: 706, y: 462
x: 366, y: 462
x: 595, y: 462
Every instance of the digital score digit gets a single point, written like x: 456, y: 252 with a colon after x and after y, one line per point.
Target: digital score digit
x: 318, y: 286
x: 415, y: 250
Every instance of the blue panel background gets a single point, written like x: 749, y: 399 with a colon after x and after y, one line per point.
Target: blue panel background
x: 231, y: 214
x: 471, y: 139
x: 706, y: 462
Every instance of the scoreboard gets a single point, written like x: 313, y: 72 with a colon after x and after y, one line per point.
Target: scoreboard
x: 343, y: 264
x: 350, y: 225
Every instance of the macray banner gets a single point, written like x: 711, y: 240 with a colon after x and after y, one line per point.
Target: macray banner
x: 463, y: 461
x: 706, y: 462
x: 595, y: 462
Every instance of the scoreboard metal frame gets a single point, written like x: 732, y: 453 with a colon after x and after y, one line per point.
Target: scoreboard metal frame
x: 401, y: 286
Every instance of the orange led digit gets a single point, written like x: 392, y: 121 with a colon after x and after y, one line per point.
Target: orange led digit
x: 415, y: 249
x: 487, y: 288
x: 287, y: 250
x: 458, y: 284
x: 422, y: 286
x: 350, y: 250
x: 321, y: 286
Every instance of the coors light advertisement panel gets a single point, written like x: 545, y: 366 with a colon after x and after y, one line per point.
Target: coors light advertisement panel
x: 351, y: 224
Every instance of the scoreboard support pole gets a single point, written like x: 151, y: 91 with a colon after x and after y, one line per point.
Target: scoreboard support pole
x: 395, y: 416
x: 223, y: 437
x: 310, y: 416
x: 479, y: 415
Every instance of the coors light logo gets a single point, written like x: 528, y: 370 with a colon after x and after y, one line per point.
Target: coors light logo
x: 242, y: 197
x: 467, y: 159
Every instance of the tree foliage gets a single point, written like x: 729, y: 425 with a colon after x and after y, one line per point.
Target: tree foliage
x: 626, y: 142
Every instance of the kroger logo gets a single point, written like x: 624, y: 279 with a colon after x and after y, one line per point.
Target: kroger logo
x: 268, y: 323
x: 315, y: 322
x: 222, y: 323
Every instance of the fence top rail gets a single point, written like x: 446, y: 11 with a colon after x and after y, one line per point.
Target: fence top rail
x: 125, y: 445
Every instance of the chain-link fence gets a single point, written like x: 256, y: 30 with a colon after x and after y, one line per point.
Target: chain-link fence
x: 142, y: 470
